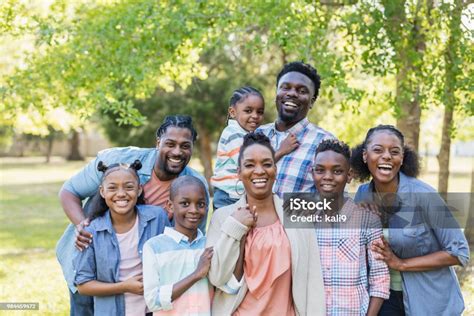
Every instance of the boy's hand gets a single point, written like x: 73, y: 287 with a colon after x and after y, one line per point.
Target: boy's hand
x: 83, y: 237
x: 289, y: 144
x: 246, y: 216
x: 134, y: 285
x: 204, y: 263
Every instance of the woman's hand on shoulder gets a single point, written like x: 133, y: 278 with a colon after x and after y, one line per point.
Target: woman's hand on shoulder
x: 246, y: 216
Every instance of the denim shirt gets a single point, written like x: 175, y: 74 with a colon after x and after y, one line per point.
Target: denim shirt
x: 101, y: 260
x: 86, y: 182
x: 423, y: 225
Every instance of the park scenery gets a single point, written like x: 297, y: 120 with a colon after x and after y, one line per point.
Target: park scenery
x: 77, y: 77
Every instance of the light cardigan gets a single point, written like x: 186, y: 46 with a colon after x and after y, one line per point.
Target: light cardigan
x: 224, y: 235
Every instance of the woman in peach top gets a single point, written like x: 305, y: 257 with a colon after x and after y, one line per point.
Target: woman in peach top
x: 259, y: 267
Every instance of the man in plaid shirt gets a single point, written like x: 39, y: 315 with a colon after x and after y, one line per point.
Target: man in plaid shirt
x: 297, y: 89
x: 355, y: 283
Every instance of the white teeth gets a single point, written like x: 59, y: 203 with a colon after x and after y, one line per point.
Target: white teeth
x: 174, y: 160
x: 259, y: 180
x: 121, y: 203
x: 385, y: 166
x: 289, y: 103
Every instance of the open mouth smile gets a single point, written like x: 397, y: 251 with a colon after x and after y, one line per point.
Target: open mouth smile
x: 260, y: 182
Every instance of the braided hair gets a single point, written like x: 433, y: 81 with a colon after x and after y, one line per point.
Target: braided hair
x: 181, y: 121
x: 411, y: 161
x: 305, y: 69
x: 97, y: 205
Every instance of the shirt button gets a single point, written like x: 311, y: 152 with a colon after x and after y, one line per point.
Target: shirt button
x: 140, y: 251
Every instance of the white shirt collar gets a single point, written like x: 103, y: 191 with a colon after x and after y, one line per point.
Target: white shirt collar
x: 177, y: 236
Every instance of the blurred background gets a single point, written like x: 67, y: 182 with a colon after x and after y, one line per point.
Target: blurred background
x: 80, y: 76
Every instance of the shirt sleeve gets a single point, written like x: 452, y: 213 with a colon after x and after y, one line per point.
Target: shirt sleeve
x: 233, y: 286
x: 224, y: 236
x: 446, y: 228
x: 84, y: 265
x: 379, y: 277
x: 86, y: 182
x: 157, y: 296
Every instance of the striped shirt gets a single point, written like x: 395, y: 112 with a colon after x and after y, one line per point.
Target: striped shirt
x: 225, y: 172
x: 167, y: 259
x: 294, y: 169
x: 351, y: 273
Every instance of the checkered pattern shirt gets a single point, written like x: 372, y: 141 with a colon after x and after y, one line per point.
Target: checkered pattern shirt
x: 351, y: 273
x: 294, y: 169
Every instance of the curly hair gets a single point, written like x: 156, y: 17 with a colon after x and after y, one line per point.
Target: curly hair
x: 411, y: 161
x: 242, y: 93
x: 252, y: 139
x: 336, y: 146
x: 305, y: 69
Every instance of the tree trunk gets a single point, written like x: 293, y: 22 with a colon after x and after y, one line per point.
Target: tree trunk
x: 49, y: 147
x: 74, y: 141
x: 409, y: 121
x: 205, y: 153
x: 451, y: 71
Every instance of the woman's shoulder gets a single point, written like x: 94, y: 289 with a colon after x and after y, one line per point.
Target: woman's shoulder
x: 411, y: 184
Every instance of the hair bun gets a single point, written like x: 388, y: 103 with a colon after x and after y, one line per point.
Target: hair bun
x: 101, y: 166
x: 136, y: 165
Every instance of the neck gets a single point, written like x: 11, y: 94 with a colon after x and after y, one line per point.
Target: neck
x: 263, y: 205
x: 190, y: 233
x: 282, y: 126
x: 123, y: 222
x: 162, y: 174
x: 390, y: 187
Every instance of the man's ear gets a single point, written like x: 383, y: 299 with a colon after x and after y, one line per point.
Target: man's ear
x: 157, y: 142
x: 231, y: 112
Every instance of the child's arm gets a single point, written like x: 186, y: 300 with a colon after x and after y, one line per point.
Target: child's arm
x: 375, y: 304
x: 201, y: 271
x: 289, y: 144
x: 96, y: 288
x: 86, y: 277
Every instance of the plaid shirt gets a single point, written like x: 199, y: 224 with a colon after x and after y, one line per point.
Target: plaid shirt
x: 294, y: 169
x: 351, y: 273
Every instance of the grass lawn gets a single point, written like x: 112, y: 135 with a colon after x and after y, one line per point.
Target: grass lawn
x: 31, y: 222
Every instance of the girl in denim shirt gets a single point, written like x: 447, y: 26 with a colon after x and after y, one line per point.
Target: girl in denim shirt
x: 423, y: 240
x: 110, y: 268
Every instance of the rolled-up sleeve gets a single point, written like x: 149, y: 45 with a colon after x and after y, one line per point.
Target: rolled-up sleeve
x: 447, y: 230
x: 86, y: 182
x: 84, y: 265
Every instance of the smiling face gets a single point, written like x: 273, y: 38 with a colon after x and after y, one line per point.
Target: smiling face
x: 384, y: 157
x: 248, y: 112
x: 175, y: 148
x: 120, y: 190
x: 189, y: 208
x: 331, y: 173
x: 295, y: 96
x: 257, y: 171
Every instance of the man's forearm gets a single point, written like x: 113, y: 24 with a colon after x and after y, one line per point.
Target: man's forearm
x: 72, y: 206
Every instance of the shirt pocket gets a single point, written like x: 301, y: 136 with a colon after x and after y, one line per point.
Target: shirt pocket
x: 348, y: 249
x: 416, y: 240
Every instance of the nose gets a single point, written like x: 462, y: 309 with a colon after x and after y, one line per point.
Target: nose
x: 176, y: 151
x: 120, y: 192
x: 386, y: 155
x: 292, y: 92
x: 258, y: 169
x: 327, y: 175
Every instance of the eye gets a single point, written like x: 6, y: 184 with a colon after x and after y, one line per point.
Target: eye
x: 395, y: 152
x: 248, y: 165
x: 303, y: 91
x: 377, y: 150
x: 261, y: 112
x: 248, y: 111
x: 184, y: 203
x: 268, y: 165
x: 202, y: 204
x: 318, y: 170
x: 338, y: 171
x: 186, y: 146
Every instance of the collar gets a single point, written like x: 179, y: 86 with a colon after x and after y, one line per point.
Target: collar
x: 178, y: 237
x: 235, y: 125
x: 295, y: 129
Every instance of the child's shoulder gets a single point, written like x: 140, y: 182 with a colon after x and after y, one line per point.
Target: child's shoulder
x: 159, y: 243
x: 361, y: 214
